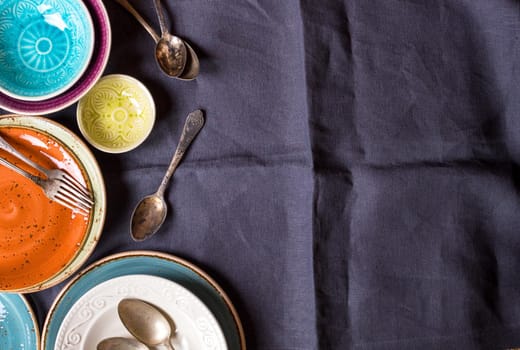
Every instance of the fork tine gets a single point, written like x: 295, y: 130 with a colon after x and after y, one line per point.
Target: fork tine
x: 72, y: 201
x: 68, y: 204
x: 76, y: 193
x: 75, y: 199
x: 77, y: 184
x: 72, y: 193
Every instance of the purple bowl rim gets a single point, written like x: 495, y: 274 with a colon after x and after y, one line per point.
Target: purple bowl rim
x: 96, y: 67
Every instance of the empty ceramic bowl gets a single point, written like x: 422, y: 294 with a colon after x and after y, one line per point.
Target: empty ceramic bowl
x: 117, y: 114
x: 95, y: 69
x: 44, y: 46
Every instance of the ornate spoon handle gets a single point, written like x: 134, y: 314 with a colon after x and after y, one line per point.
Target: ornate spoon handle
x: 192, y: 126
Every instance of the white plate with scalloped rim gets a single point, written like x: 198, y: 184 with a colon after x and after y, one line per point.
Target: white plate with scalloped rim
x: 94, y: 316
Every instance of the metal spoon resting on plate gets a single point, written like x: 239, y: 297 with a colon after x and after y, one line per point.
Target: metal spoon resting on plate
x: 149, y: 325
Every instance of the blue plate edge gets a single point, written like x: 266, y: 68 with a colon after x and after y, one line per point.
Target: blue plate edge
x: 28, y: 316
x: 234, y: 335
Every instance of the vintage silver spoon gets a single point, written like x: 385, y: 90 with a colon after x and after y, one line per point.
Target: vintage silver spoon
x: 120, y: 343
x: 146, y: 323
x: 192, y: 67
x: 170, y: 51
x: 151, y: 211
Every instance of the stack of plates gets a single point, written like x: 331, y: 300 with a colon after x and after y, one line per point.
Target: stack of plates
x: 51, y: 53
x: 85, y: 312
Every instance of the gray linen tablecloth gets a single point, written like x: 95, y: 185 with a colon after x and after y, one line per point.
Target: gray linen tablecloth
x: 356, y: 183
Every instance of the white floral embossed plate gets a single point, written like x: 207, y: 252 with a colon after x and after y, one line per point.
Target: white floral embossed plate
x: 94, y: 316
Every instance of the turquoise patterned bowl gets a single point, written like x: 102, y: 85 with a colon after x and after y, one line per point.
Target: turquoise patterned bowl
x: 45, y: 46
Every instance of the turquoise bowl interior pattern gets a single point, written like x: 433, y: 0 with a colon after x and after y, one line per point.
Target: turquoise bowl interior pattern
x: 45, y: 46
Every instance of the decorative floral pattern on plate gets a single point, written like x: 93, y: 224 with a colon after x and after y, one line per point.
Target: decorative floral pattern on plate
x: 94, y: 316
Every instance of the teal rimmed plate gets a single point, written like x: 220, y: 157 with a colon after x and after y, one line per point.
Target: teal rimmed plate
x: 18, y: 325
x: 148, y: 263
x: 45, y: 46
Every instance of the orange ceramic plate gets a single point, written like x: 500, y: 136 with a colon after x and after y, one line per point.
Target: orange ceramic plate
x: 39, y: 238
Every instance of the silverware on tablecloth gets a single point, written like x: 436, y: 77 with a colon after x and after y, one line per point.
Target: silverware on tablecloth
x: 191, y: 66
x: 149, y: 214
x: 170, y: 51
x: 56, y: 190
x: 146, y: 323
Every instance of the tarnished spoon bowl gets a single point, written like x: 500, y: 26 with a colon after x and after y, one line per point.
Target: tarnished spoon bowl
x: 171, y: 54
x: 148, y: 216
x: 145, y: 322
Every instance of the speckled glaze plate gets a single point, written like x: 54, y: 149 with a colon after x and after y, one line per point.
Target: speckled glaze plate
x: 18, y: 325
x: 147, y: 263
x: 94, y: 316
x: 94, y: 70
x: 45, y: 46
x: 35, y: 259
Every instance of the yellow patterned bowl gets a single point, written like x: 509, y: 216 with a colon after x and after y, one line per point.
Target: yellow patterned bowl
x: 117, y: 114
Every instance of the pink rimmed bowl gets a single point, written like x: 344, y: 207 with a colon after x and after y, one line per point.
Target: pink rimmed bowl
x: 96, y: 67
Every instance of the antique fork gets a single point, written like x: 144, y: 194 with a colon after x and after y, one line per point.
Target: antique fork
x: 56, y: 174
x: 56, y: 190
